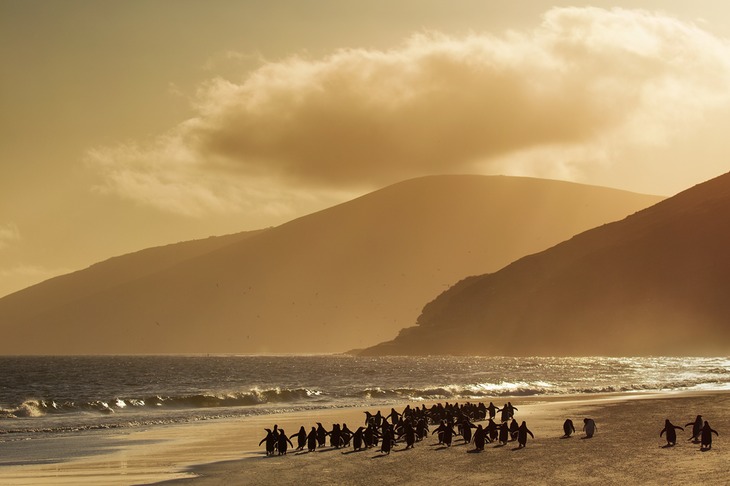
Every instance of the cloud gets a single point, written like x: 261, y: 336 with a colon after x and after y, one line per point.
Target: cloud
x: 8, y: 233
x: 583, y: 89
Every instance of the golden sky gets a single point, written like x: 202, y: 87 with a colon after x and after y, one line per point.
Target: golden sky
x: 128, y: 124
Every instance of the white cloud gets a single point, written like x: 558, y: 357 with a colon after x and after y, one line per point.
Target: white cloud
x: 567, y: 99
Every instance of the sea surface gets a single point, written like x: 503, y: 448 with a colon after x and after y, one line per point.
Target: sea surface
x: 42, y: 396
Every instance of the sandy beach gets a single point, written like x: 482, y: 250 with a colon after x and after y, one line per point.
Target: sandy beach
x: 626, y: 449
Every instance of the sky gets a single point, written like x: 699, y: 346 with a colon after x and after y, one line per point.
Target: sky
x: 128, y: 124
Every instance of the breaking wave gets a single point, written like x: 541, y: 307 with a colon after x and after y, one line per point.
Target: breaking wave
x: 39, y: 408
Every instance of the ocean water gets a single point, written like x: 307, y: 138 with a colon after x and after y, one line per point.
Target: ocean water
x: 42, y: 396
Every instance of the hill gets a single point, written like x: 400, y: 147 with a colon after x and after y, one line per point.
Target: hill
x: 345, y: 277
x: 655, y: 283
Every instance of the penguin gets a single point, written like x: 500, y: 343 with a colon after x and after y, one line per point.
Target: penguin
x: 440, y: 431
x: 481, y: 412
x: 321, y: 435
x: 706, y: 440
x: 590, y: 427
x: 387, y: 442
x: 301, y: 438
x: 336, y: 436
x: 669, y: 428
x: 696, y: 428
x: 271, y: 442
x: 492, y: 430
x: 378, y: 419
x: 421, y: 429
x: 448, y: 434
x: 492, y: 410
x: 480, y: 436
x: 357, y: 439
x: 568, y: 428
x: 370, y: 435
x: 407, y: 412
x: 505, y: 416
x: 345, y: 435
x: 312, y: 440
x: 522, y: 432
x: 410, y: 435
x: 503, y: 433
x: 466, y: 427
x: 513, y: 428
x: 282, y: 441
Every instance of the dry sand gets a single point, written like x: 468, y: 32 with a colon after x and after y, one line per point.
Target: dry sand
x: 626, y: 449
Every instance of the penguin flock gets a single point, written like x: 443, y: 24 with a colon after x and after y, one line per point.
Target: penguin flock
x: 409, y: 427
x: 701, y: 433
x: 413, y: 425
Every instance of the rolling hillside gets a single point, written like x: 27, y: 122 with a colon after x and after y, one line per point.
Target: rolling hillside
x: 655, y: 283
x: 346, y: 277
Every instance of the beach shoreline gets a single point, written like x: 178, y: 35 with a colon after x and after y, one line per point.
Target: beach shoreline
x: 627, y: 447
x: 620, y: 452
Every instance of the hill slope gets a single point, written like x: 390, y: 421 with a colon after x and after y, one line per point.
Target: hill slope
x: 656, y: 283
x: 349, y: 276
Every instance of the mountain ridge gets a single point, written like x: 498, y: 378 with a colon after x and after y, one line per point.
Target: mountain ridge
x: 653, y: 283
x: 344, y: 277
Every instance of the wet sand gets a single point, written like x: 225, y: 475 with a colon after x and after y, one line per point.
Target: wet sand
x: 626, y: 449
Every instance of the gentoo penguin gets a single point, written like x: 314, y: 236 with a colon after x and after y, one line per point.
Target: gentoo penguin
x: 590, y: 427
x: 568, y: 428
x: 706, y: 440
x: 669, y: 428
x: 522, y: 432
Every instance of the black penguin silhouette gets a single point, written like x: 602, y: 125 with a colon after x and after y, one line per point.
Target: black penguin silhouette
x: 301, y: 438
x: 321, y: 435
x: 505, y: 416
x: 466, y: 427
x: 590, y: 427
x: 283, y: 440
x: 492, y: 410
x: 492, y: 430
x: 421, y: 429
x: 568, y: 428
x: 312, y: 440
x: 370, y: 436
x: 357, y: 439
x: 503, y: 433
x: 669, y: 428
x: 522, y: 432
x: 480, y: 438
x: 440, y: 431
x: 706, y: 440
x: 513, y: 428
x: 336, y: 436
x: 696, y: 428
x: 410, y: 435
x: 387, y: 442
x: 448, y: 434
x: 271, y: 442
x: 345, y: 435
